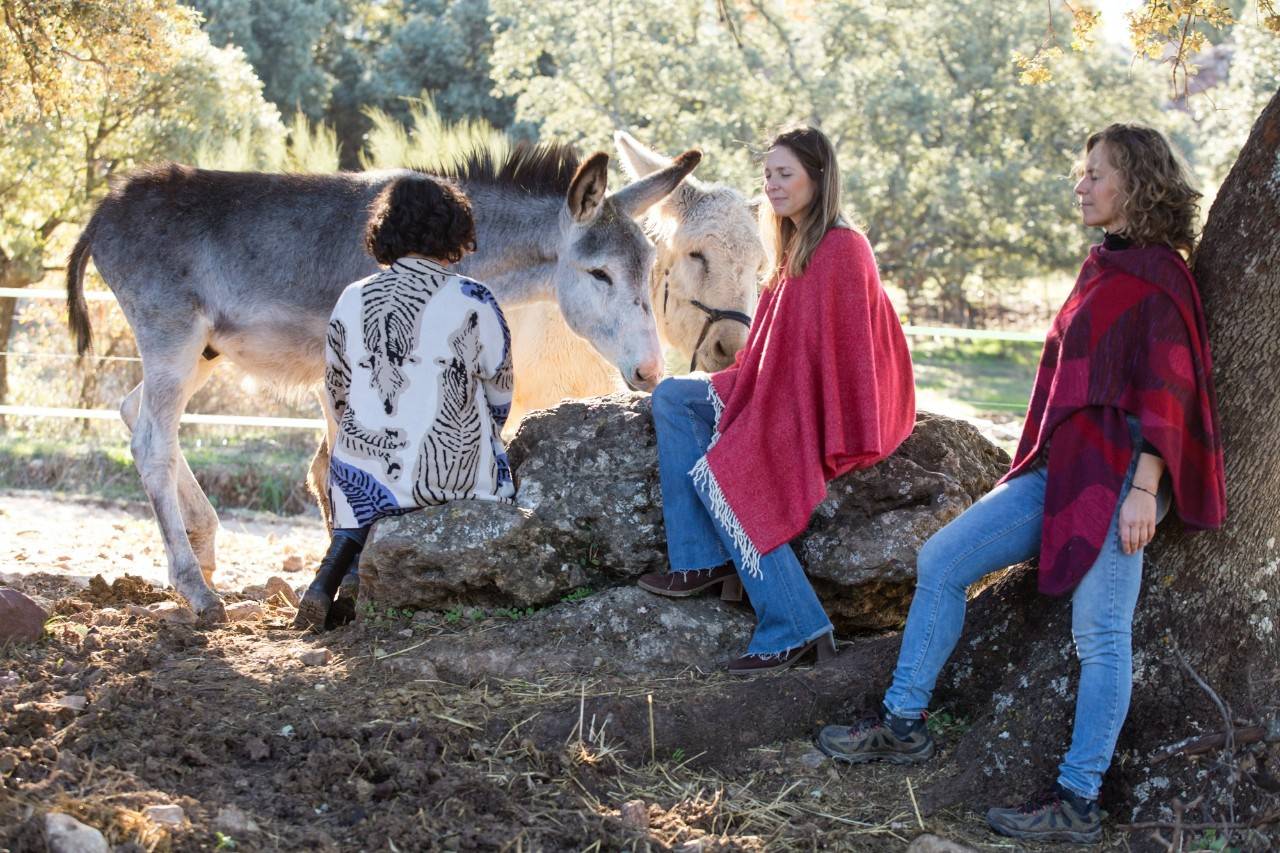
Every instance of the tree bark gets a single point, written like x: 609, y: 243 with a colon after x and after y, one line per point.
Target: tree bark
x: 1209, y: 602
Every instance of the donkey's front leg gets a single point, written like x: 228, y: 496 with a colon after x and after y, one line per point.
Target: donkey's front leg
x: 318, y: 472
x: 200, y: 519
x: 158, y: 459
x: 318, y: 483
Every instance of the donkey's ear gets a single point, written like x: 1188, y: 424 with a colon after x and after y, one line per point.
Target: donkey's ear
x: 639, y: 160
x: 587, y: 189
x: 634, y: 199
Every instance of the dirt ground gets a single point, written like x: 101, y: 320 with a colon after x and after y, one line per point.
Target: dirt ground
x: 269, y: 739
x: 79, y: 537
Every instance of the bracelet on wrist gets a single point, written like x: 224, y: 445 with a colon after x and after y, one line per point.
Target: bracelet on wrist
x: 1139, y: 488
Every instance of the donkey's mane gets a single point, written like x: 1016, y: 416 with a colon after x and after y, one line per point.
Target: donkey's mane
x: 542, y: 169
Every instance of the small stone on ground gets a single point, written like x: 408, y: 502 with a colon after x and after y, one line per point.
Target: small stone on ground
x: 635, y: 814
x: 164, y: 611
x: 21, y: 618
x: 75, y: 703
x: 232, y: 821
x: 813, y: 759
x: 277, y: 585
x: 315, y: 657
x: 242, y: 610
x: 169, y: 815
x: 65, y: 834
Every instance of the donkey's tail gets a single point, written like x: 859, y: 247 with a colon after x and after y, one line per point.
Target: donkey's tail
x: 77, y: 310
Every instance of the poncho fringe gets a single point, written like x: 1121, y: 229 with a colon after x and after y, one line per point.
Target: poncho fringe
x: 705, y: 481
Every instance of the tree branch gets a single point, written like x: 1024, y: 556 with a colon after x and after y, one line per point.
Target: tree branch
x: 782, y: 34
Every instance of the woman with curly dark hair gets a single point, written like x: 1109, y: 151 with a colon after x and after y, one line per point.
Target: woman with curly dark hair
x: 1122, y: 422
x: 417, y: 380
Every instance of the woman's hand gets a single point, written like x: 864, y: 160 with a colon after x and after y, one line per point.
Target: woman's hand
x: 1138, y: 512
x: 1137, y: 520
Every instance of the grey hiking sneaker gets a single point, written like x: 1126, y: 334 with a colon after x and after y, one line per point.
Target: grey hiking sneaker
x: 1057, y: 814
x: 882, y: 737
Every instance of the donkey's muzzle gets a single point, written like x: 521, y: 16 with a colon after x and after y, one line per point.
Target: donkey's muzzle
x: 644, y: 378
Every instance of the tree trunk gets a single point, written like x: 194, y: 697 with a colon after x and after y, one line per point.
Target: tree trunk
x: 11, y: 275
x: 1209, y: 598
x: 8, y: 308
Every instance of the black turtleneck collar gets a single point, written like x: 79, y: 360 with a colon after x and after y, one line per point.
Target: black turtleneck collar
x: 1115, y: 242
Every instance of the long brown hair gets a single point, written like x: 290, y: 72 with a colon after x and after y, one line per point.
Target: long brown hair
x: 790, y: 247
x: 1158, y: 203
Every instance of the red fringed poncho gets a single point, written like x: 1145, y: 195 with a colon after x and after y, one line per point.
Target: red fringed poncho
x: 823, y: 386
x: 1129, y: 340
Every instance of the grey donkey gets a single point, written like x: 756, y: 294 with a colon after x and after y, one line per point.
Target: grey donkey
x: 247, y: 266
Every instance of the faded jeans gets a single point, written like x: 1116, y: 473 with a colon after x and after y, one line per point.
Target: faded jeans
x: 788, y: 613
x: 999, y: 530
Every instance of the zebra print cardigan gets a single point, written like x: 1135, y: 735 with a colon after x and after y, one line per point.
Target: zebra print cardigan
x: 418, y: 380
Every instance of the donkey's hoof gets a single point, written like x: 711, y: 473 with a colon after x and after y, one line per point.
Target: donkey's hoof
x: 211, y: 612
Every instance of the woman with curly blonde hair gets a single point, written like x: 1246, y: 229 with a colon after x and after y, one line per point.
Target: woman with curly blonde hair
x: 1122, y: 422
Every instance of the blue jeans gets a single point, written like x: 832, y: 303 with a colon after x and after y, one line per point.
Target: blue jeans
x: 1001, y: 529
x: 788, y: 613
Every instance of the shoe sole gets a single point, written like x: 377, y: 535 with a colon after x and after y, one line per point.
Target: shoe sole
x: 1057, y: 835
x: 869, y: 758
x: 820, y: 656
x: 764, y: 670
x: 657, y: 590
x: 312, y: 613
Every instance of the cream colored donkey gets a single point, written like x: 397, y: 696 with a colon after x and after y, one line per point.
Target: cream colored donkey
x: 708, y: 253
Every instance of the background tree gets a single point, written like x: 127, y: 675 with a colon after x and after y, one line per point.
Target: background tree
x: 1224, y: 114
x: 957, y: 169
x: 54, y: 169
x: 286, y: 41
x: 675, y: 77
x: 333, y: 60
x: 442, y: 49
x: 57, y: 55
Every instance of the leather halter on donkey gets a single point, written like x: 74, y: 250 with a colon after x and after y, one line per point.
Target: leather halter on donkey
x: 714, y: 315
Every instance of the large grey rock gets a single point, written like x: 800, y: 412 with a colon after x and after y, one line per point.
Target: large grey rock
x: 621, y: 631
x: 589, y: 513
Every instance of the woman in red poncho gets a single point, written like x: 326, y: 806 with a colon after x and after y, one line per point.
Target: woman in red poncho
x: 823, y: 386
x: 1122, y: 420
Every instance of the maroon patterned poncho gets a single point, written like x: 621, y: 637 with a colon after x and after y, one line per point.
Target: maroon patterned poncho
x: 1130, y: 340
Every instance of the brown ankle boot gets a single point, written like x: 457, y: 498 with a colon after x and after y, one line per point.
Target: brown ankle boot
x: 684, y: 584
x: 824, y: 649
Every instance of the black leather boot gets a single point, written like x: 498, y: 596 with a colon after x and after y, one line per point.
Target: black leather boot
x: 343, y: 611
x: 315, y: 604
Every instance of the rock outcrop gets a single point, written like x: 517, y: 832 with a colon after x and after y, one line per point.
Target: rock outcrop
x: 589, y: 514
x: 622, y: 631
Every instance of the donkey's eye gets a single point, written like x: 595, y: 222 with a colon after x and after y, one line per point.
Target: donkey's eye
x: 699, y: 257
x: 601, y: 275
